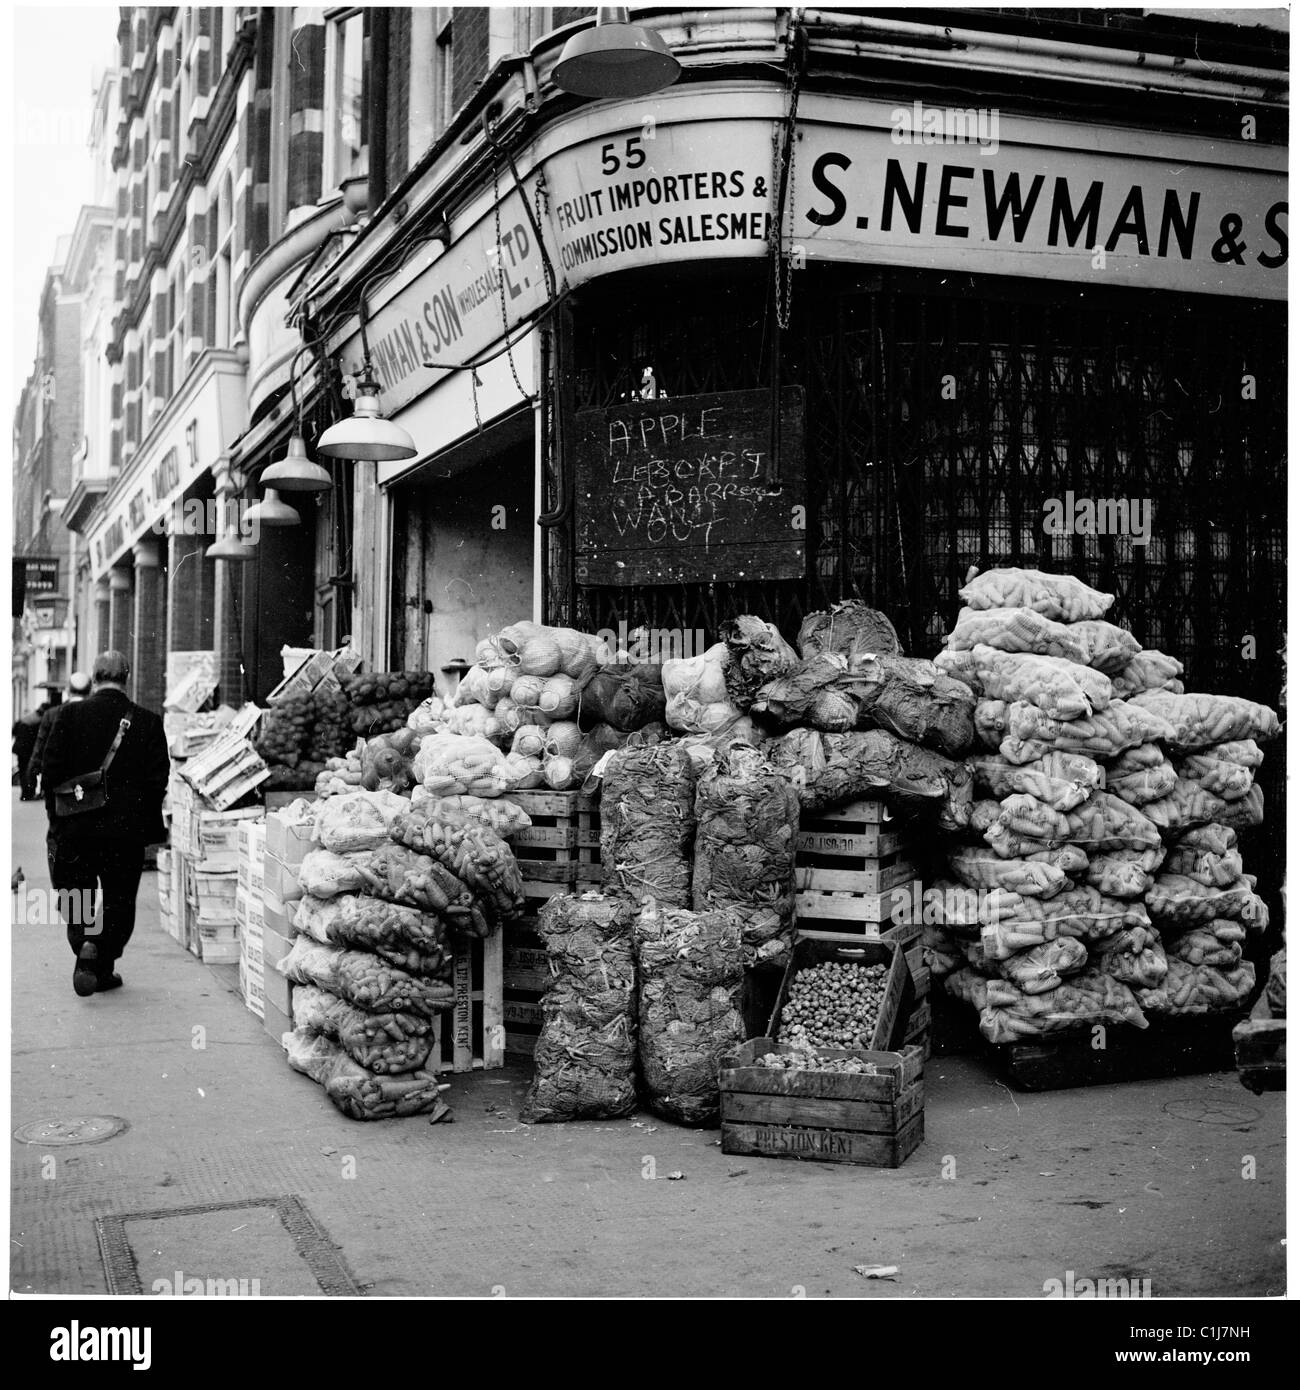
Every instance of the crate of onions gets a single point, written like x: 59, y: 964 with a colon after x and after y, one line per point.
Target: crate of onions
x: 832, y: 1081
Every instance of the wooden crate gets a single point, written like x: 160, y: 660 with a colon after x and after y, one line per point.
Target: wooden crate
x: 524, y: 975
x: 560, y: 851
x: 471, y: 1034
x: 814, y: 949
x: 874, y: 1121
x: 1260, y: 1047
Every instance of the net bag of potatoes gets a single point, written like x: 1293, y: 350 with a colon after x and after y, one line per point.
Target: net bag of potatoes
x: 585, y: 1060
x: 692, y: 968
x: 647, y: 823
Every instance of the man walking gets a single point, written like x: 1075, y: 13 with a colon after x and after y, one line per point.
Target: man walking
x: 25, y: 733
x: 104, y: 847
x: 78, y: 689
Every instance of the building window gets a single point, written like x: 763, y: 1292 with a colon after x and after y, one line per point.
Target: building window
x: 345, y: 68
x: 224, y: 329
x: 462, y: 58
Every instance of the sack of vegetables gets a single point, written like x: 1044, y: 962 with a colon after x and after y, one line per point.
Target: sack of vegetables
x: 381, y: 687
x: 404, y: 936
x: 284, y: 730
x: 747, y: 818
x: 357, y: 1092
x: 648, y: 823
x: 625, y: 697
x: 385, y: 1043
x: 585, y: 1060
x: 364, y: 979
x: 692, y: 968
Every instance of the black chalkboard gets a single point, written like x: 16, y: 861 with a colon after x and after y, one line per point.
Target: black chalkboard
x: 676, y: 491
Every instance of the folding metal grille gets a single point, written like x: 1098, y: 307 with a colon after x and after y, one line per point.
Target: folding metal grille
x: 944, y: 412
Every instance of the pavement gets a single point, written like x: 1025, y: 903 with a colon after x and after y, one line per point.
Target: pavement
x: 1179, y: 1181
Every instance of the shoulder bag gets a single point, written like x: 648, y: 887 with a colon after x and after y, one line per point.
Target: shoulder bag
x: 89, y: 792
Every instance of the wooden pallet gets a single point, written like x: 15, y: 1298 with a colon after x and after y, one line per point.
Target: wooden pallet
x: 827, y: 1117
x: 471, y: 1034
x: 1260, y: 1048
x: 560, y: 851
x: 524, y: 976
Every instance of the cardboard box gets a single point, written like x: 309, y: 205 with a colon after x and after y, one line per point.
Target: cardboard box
x: 287, y: 841
x: 277, y: 992
x: 280, y: 881
x: 277, y: 917
x: 216, y: 838
x: 219, y: 952
x: 250, y: 988
x: 275, y: 1020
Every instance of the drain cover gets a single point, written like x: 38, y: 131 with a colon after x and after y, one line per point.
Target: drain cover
x: 77, y: 1129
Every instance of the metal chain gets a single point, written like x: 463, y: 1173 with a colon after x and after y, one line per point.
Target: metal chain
x: 501, y: 288
x: 783, y: 213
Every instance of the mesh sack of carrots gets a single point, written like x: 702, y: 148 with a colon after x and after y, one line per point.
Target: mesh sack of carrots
x: 1030, y: 732
x: 1199, y: 989
x: 1084, y: 999
x: 1148, y: 670
x: 402, y: 875
x: 981, y: 868
x: 1123, y: 873
x: 1079, y: 912
x: 471, y: 852
x: 647, y: 823
x: 1106, y: 648
x: 364, y: 979
x: 1014, y: 630
x: 1060, y: 780
x: 1135, y: 957
x: 747, y: 818
x: 584, y: 1065
x: 1141, y: 775
x: 1189, y: 806
x: 1061, y: 597
x: 1214, y: 870
x: 1175, y: 901
x: 502, y: 816
x: 1061, y: 689
x: 1216, y: 943
x: 359, y: 1093
x: 692, y: 969
x: 1198, y: 721
x: 403, y: 936
x: 1044, y: 967
x: 940, y: 950
x: 385, y: 1043
x: 1219, y: 776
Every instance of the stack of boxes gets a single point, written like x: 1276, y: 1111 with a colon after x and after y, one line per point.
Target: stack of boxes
x: 230, y: 768
x: 287, y: 844
x: 249, y: 891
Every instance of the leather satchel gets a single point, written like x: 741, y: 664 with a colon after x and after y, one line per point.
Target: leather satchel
x: 89, y: 792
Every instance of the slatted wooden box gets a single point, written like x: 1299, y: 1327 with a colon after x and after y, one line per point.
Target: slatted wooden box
x: 560, y: 851
x: 471, y: 1034
x: 828, y: 1117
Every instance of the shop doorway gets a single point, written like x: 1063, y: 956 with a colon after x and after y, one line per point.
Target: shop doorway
x: 463, y: 548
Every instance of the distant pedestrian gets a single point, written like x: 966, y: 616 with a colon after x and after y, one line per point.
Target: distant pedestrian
x: 78, y: 689
x: 104, y: 847
x: 25, y: 733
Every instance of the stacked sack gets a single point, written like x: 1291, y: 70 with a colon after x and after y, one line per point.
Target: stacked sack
x: 553, y: 702
x: 381, y: 701
x: 1084, y: 786
x: 387, y: 892
x: 852, y: 717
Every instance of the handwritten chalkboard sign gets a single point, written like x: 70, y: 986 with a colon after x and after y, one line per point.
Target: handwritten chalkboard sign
x: 676, y: 491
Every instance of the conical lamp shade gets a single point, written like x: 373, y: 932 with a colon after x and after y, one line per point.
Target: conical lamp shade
x: 231, y: 548
x: 296, y: 472
x: 616, y: 59
x: 272, y: 511
x: 365, y: 434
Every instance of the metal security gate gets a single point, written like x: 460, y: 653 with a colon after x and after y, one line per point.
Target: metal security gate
x: 945, y: 412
